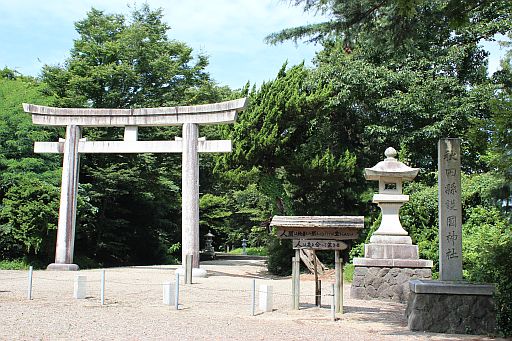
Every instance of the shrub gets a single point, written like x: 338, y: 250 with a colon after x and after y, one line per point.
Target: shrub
x: 251, y: 251
x: 16, y: 264
x: 280, y: 255
x: 487, y: 249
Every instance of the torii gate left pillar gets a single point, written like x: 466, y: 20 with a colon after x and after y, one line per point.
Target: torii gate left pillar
x: 190, y: 145
x: 68, y: 199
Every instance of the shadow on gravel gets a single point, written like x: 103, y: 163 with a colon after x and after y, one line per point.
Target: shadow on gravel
x: 212, y: 273
x: 234, y: 262
x: 392, y: 315
x: 151, y: 267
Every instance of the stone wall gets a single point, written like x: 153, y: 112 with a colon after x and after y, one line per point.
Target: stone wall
x: 386, y: 283
x: 445, y: 313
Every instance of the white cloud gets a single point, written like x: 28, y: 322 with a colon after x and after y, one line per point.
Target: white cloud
x: 231, y: 32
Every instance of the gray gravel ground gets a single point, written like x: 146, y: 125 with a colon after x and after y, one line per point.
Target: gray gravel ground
x: 213, y: 308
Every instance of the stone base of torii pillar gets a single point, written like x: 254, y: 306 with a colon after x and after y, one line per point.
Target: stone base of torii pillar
x: 62, y: 267
x: 196, y: 272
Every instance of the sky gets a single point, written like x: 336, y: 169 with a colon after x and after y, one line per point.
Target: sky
x: 231, y: 32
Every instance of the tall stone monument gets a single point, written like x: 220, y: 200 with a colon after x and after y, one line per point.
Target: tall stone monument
x: 450, y: 210
x: 390, y: 259
x: 190, y: 117
x: 450, y: 305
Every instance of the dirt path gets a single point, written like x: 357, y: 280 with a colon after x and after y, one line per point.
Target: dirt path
x: 213, y: 308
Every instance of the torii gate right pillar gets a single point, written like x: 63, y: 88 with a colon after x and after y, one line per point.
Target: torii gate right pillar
x: 190, y: 193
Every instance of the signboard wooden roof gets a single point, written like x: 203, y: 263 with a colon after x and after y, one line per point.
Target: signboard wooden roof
x: 319, y: 222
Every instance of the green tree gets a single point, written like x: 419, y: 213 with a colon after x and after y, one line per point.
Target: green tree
x: 28, y: 182
x: 400, y: 21
x: 120, y: 62
x: 288, y: 135
x: 418, y: 66
x: 500, y: 155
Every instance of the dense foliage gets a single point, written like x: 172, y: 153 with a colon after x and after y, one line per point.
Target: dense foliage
x: 391, y: 73
x: 406, y: 73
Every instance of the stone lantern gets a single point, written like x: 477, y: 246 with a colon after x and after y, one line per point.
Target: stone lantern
x: 244, y: 246
x: 390, y: 174
x: 209, y: 250
x: 390, y: 259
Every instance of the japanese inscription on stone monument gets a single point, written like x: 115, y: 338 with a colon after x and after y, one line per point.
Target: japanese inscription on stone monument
x: 450, y: 217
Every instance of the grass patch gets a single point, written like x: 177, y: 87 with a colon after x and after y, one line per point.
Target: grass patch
x: 251, y: 251
x: 16, y: 264
x: 348, y: 272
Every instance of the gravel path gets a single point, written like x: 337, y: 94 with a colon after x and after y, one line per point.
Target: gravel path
x: 213, y: 308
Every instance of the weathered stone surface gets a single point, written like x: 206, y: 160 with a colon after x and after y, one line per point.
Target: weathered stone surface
x: 390, y: 284
x: 391, y: 251
x: 362, y: 271
x: 68, y: 202
x: 393, y: 263
x: 190, y: 194
x: 450, y: 211
x: 457, y: 288
x: 121, y: 147
x: 224, y: 112
x: 447, y: 313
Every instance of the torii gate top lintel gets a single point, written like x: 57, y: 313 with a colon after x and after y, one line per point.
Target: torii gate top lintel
x: 216, y: 113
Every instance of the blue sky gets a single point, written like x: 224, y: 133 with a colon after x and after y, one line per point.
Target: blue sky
x: 230, y: 32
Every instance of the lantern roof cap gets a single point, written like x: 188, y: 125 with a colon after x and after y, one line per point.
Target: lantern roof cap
x: 390, y: 167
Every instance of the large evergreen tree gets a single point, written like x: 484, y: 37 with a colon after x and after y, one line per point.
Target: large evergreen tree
x: 120, y: 62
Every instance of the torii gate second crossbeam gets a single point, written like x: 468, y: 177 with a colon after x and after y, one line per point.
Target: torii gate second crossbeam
x: 190, y: 117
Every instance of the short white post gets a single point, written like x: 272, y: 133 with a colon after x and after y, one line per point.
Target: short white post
x: 102, y: 287
x: 168, y: 293
x: 253, y: 297
x: 265, y: 294
x: 338, y: 265
x: 333, y: 303
x: 296, y: 279
x: 189, y: 261
x: 177, y: 293
x: 80, y: 287
x: 30, y: 271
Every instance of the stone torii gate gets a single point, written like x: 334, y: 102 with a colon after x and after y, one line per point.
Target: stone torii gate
x: 190, y: 117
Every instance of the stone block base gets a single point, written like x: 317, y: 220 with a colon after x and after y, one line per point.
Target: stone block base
x: 196, y: 272
x: 385, y: 283
x: 62, y: 267
x: 448, y: 307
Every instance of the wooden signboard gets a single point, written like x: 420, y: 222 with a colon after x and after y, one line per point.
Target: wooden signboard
x: 319, y: 244
x: 312, y: 233
x: 318, y: 233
